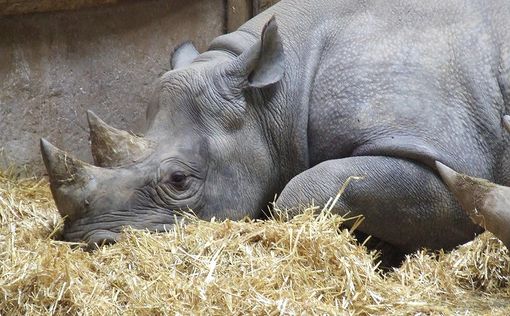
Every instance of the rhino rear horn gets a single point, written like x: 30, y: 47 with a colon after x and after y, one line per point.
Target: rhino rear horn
x: 112, y: 147
x: 486, y: 203
x: 70, y: 179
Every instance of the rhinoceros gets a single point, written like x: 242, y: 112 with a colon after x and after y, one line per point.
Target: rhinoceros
x: 293, y: 103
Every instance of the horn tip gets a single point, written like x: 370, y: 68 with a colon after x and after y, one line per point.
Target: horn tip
x: 448, y: 175
x: 50, y: 154
x: 47, y: 148
x: 92, y: 118
x: 43, y: 142
x: 506, y: 122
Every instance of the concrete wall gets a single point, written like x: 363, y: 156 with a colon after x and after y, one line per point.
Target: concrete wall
x: 55, y: 66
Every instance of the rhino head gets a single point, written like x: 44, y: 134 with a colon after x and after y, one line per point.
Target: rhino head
x: 205, y: 149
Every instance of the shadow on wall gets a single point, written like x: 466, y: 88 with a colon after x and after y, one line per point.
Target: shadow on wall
x: 55, y: 66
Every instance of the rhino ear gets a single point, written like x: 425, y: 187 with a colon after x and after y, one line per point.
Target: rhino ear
x: 183, y: 55
x: 264, y: 62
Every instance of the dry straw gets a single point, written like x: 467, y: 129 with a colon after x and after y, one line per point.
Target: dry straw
x: 306, y: 265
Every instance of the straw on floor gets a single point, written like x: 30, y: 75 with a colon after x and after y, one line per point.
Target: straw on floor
x: 306, y: 265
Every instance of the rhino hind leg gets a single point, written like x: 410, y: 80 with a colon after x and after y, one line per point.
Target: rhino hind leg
x: 487, y: 204
x: 405, y: 204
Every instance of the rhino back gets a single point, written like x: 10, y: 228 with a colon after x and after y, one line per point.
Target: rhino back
x: 413, y: 79
x: 423, y: 80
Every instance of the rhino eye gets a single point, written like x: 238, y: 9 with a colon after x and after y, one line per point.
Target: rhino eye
x: 178, y: 179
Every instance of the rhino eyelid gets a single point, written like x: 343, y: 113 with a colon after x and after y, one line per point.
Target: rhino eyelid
x: 189, y: 168
x: 176, y: 161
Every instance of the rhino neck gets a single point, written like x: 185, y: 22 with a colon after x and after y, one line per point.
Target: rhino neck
x: 285, y: 110
x: 280, y: 108
x: 283, y: 125
x: 292, y: 105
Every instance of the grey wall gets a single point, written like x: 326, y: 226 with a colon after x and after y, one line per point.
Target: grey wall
x: 55, y: 66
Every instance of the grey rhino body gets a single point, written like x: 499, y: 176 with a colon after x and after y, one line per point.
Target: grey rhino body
x: 379, y: 89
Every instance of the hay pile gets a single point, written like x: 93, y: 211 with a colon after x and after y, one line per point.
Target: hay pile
x: 305, y: 265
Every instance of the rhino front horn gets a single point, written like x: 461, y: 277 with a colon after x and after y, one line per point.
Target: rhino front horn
x: 62, y: 168
x: 486, y: 203
x: 71, y: 180
x: 112, y: 147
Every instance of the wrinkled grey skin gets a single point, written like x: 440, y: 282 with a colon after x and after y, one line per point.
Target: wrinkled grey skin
x: 379, y: 89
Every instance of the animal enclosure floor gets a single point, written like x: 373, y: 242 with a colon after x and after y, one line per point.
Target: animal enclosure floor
x: 306, y: 265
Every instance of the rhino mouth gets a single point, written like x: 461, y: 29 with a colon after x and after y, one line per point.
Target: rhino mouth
x: 95, y: 231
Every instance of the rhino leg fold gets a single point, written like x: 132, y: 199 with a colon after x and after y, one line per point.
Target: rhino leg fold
x: 404, y: 203
x: 486, y: 203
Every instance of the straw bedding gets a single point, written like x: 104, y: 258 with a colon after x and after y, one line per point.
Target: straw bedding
x: 302, y: 266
